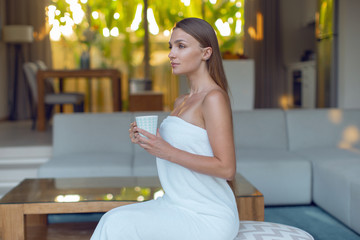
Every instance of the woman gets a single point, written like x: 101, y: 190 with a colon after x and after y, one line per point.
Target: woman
x: 195, y: 153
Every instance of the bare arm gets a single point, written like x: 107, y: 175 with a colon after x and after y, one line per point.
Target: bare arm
x: 218, y: 122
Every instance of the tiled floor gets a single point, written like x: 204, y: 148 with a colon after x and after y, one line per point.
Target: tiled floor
x: 69, y: 231
x: 20, y: 134
x: 22, y: 151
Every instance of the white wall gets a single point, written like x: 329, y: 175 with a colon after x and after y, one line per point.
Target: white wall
x: 349, y: 54
x: 297, y: 36
x: 3, y: 73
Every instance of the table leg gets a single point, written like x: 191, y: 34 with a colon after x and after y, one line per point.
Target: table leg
x: 89, y: 89
x: 61, y: 90
x: 119, y: 96
x: 250, y: 208
x: 41, y: 102
x: 36, y: 220
x: 116, y: 92
x: 12, y: 222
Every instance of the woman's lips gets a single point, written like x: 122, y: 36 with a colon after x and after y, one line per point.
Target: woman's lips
x: 174, y: 64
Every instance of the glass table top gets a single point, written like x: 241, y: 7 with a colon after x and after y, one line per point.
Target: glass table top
x: 136, y: 189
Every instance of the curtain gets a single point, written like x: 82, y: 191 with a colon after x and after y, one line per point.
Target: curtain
x: 25, y: 12
x: 263, y: 44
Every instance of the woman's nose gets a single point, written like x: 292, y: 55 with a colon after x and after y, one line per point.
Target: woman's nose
x: 171, y: 55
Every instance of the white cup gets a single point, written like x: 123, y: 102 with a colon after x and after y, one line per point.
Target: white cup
x: 148, y: 123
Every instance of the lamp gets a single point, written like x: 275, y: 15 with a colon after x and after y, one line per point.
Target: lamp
x: 17, y: 34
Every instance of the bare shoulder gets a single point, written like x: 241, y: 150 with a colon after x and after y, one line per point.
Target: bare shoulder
x: 216, y: 107
x: 216, y: 96
x: 216, y: 104
x: 216, y: 111
x: 179, y: 100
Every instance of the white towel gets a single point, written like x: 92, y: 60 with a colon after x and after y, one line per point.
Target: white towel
x: 194, y: 206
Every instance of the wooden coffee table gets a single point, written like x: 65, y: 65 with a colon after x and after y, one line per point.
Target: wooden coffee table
x: 33, y: 199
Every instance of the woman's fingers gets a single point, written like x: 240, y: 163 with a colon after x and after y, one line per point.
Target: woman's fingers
x: 144, y: 132
x: 135, y: 137
x: 133, y: 132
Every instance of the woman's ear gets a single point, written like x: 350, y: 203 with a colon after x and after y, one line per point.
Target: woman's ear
x: 207, y: 52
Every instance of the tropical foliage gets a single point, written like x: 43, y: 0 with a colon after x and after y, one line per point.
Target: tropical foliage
x: 112, y: 31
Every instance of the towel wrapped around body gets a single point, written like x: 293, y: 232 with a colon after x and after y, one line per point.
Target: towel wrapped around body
x: 194, y: 206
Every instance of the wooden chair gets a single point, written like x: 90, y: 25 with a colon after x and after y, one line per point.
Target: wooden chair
x: 51, y: 98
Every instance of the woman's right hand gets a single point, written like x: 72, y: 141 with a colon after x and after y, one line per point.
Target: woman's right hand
x: 132, y: 133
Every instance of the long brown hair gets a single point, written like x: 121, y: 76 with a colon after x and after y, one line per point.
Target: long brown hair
x: 204, y: 33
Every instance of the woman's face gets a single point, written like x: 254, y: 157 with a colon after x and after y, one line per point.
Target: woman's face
x: 185, y: 55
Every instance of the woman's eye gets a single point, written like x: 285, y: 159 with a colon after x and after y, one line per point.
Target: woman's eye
x: 181, y: 46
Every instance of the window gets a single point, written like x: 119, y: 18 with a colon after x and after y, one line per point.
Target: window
x: 112, y: 33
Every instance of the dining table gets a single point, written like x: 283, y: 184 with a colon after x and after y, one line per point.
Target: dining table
x: 112, y: 74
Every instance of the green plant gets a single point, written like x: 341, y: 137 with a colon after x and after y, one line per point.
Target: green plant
x: 113, y: 31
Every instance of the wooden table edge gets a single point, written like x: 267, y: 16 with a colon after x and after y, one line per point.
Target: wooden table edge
x: 73, y: 207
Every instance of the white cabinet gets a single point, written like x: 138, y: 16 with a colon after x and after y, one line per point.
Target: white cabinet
x: 241, y: 79
x: 301, y: 77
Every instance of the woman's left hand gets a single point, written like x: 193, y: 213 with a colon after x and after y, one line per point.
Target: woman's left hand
x: 133, y: 133
x: 155, y: 145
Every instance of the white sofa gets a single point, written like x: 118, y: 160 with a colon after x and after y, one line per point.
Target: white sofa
x: 330, y: 139
x: 293, y: 157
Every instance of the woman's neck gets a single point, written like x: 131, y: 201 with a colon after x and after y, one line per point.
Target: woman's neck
x: 200, y: 81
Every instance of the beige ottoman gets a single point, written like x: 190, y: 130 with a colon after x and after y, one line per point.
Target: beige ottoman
x: 252, y: 230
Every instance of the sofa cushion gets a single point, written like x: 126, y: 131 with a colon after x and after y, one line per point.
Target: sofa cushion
x: 257, y: 230
x: 282, y: 177
x: 314, y: 128
x: 352, y: 134
x: 97, y: 164
x: 332, y: 186
x: 328, y: 154
x: 144, y: 163
x: 85, y: 133
x: 355, y: 205
x: 260, y: 129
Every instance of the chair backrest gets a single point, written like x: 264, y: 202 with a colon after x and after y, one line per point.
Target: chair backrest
x: 41, y: 65
x: 30, y: 70
x: 49, y: 84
